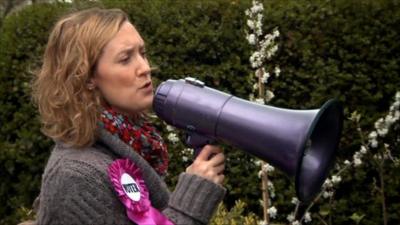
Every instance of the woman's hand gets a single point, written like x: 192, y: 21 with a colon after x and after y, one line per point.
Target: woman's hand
x: 209, y: 164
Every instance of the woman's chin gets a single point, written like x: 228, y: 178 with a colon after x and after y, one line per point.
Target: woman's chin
x: 147, y: 106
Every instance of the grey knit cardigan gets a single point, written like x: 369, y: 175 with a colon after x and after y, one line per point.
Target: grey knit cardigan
x: 76, y: 188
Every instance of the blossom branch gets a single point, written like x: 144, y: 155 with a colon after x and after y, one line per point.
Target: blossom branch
x: 265, y: 48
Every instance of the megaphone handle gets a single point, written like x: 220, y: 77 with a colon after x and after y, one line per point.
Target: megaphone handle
x: 197, y: 141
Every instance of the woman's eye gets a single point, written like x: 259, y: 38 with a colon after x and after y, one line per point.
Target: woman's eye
x: 143, y: 53
x: 125, y: 60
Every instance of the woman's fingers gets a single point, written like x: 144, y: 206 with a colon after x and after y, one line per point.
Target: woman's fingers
x: 220, y: 169
x: 219, y: 179
x: 209, y: 164
x: 207, y: 152
x: 217, y: 159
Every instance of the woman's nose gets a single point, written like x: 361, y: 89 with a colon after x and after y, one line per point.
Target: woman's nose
x: 143, y: 66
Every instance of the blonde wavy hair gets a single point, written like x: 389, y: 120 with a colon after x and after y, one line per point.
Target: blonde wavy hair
x: 68, y: 105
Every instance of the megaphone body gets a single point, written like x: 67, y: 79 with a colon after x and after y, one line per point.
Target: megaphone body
x: 301, y: 143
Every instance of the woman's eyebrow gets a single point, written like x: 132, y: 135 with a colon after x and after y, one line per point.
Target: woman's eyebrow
x: 126, y: 51
x: 131, y: 49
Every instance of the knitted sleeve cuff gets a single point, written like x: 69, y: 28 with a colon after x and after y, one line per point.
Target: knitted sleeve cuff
x: 196, y: 197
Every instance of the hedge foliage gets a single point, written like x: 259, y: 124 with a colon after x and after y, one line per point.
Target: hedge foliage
x: 341, y: 49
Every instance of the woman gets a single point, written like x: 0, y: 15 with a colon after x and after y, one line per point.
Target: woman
x: 92, y: 91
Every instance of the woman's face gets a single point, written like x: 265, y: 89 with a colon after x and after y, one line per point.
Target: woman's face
x: 123, y: 72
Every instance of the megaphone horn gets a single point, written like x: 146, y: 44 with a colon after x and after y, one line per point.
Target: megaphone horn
x: 301, y: 143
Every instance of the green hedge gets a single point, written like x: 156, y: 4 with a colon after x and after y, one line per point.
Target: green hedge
x: 328, y: 49
x: 24, y: 149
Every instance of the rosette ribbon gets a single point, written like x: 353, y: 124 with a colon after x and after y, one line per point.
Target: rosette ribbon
x: 131, y: 189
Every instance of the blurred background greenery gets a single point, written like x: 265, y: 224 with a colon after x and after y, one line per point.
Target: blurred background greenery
x: 342, y: 49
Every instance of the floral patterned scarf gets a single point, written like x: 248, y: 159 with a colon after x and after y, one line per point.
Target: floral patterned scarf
x: 140, y: 135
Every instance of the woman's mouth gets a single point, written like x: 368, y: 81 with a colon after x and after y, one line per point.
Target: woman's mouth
x: 147, y: 87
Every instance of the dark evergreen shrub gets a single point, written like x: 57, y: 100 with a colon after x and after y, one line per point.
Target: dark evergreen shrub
x: 347, y: 50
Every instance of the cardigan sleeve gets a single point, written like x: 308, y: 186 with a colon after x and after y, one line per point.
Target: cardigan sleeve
x: 194, y: 200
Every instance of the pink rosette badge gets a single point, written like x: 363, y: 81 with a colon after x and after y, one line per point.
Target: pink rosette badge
x: 127, y: 180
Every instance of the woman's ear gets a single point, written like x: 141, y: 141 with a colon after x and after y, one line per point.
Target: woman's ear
x: 91, y: 85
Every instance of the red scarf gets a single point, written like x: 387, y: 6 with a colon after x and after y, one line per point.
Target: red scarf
x: 140, y: 135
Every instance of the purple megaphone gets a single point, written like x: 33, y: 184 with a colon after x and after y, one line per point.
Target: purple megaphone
x: 301, y: 143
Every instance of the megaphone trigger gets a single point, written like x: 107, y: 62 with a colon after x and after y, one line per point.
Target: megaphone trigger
x: 197, y: 141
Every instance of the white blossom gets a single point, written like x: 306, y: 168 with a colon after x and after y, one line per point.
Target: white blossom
x: 267, y: 47
x: 256, y: 8
x: 271, y: 186
x: 386, y: 155
x: 379, y: 123
x: 381, y: 127
x: 189, y: 151
x: 251, y: 38
x: 258, y: 28
x: 363, y: 149
x: 250, y: 24
x: 256, y: 59
x: 378, y: 157
x: 270, y: 168
x: 170, y: 128
x: 307, y: 217
x: 328, y: 183
x: 269, y: 95
x: 172, y: 137
x: 277, y: 71
x: 261, y: 222
x: 397, y: 115
x: 267, y: 42
x: 260, y: 173
x: 347, y: 162
x: 357, y: 158
x: 265, y: 77
x: 260, y: 101
x: 272, y: 193
x: 255, y: 86
x: 357, y: 161
x: 272, y: 51
x: 295, y: 222
x: 267, y: 167
x: 327, y: 194
x: 259, y: 17
x: 259, y: 25
x: 272, y: 211
x: 386, y: 145
x: 251, y: 96
x: 290, y: 217
x: 276, y: 33
x: 393, y: 107
x: 390, y: 119
x: 374, y: 143
x: 373, y: 135
x: 397, y: 96
x: 295, y: 200
x: 336, y: 179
